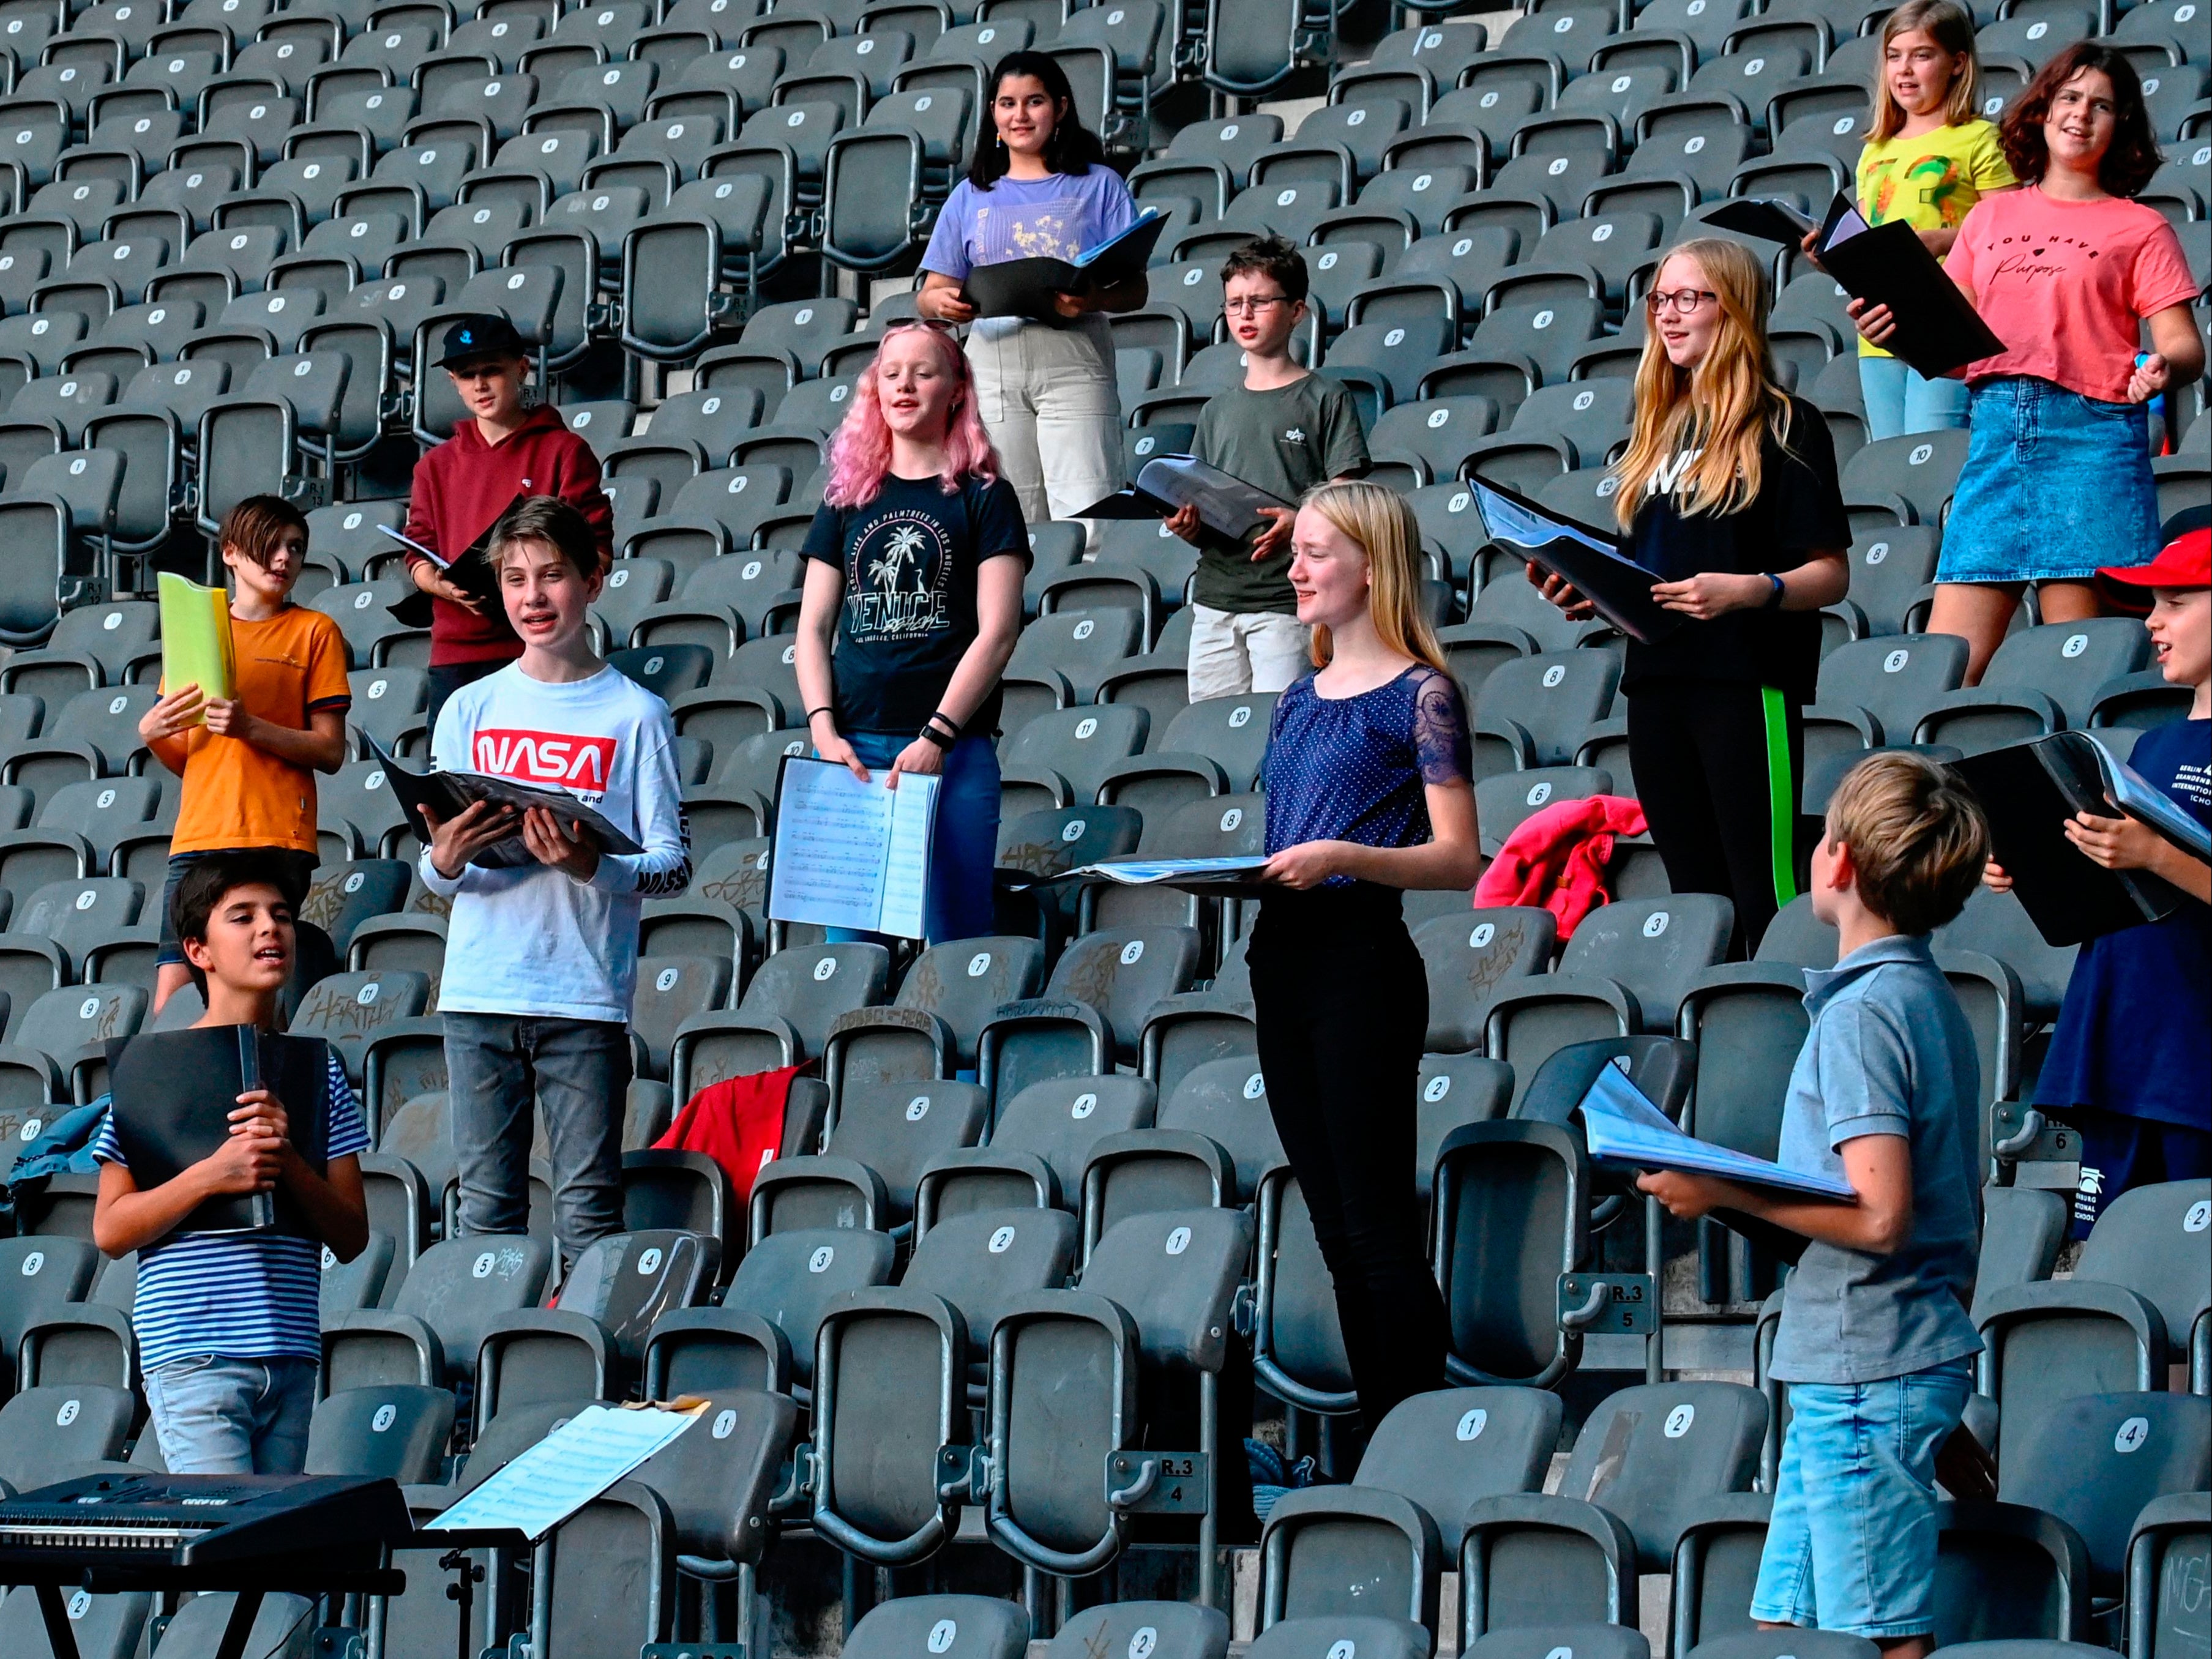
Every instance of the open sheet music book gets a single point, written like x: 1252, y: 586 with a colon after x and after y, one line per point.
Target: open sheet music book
x: 1237, y: 870
x: 554, y: 1479
x: 849, y: 853
x: 449, y: 793
x: 1622, y: 1127
x: 1024, y: 287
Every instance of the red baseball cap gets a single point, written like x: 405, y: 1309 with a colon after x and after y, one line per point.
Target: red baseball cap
x: 2184, y: 561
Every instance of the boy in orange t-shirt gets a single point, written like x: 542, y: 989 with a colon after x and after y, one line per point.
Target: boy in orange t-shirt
x: 249, y: 761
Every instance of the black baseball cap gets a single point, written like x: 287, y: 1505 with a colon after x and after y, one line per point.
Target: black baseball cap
x: 486, y: 334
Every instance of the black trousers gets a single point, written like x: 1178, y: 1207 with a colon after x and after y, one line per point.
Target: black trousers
x: 1719, y: 768
x: 447, y: 677
x: 1343, y: 1007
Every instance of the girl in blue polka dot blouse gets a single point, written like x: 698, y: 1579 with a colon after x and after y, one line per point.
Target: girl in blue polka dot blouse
x: 1368, y: 795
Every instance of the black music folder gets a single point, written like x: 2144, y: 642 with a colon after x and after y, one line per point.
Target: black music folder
x: 1937, y: 329
x: 171, y: 1094
x: 1589, y: 558
x: 469, y: 570
x: 1225, y: 503
x: 1024, y: 287
x: 448, y: 795
x: 2029, y: 790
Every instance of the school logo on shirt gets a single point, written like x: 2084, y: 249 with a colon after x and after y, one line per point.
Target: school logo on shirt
x: 1295, y: 435
x: 564, y: 758
x: 899, y: 567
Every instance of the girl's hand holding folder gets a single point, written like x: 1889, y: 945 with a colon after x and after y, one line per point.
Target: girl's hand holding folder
x: 2151, y: 375
x: 1712, y: 593
x: 2129, y: 843
x: 1561, y: 593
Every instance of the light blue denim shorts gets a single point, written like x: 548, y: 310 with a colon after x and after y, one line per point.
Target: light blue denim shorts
x: 2057, y: 487
x: 1852, y: 1546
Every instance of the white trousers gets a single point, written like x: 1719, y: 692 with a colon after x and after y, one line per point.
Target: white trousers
x: 1048, y: 398
x: 1234, y: 654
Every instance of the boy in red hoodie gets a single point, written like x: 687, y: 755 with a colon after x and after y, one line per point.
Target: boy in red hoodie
x: 504, y: 449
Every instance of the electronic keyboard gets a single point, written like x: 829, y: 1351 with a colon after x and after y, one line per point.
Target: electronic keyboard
x: 185, y: 1521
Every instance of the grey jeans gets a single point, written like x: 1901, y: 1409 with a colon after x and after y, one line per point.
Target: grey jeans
x: 215, y: 1414
x: 578, y: 1071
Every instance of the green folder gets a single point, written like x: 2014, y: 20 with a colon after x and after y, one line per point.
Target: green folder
x: 195, y: 648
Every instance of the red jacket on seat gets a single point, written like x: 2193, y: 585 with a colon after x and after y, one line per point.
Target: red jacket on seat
x: 1556, y: 860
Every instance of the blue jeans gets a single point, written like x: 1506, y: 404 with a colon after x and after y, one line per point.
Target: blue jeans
x: 963, y: 845
x: 498, y: 1067
x: 214, y: 1415
x: 1852, y: 1546
x: 1899, y: 399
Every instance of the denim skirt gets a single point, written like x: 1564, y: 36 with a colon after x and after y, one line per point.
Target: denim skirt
x: 2057, y: 487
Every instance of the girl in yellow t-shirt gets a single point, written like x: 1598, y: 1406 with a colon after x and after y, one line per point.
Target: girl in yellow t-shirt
x: 1929, y: 158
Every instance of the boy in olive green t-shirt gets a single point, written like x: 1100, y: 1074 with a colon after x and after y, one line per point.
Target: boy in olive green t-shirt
x: 1284, y: 430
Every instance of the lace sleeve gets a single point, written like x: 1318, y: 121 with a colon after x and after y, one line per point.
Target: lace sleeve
x: 1441, y: 748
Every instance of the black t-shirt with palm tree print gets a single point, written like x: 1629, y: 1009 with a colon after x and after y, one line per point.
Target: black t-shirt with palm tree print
x: 909, y: 559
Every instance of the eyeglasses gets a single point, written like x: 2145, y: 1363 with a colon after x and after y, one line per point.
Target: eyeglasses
x: 1254, y: 308
x: 1682, y: 301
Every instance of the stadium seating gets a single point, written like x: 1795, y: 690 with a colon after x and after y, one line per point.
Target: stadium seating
x: 1029, y: 1237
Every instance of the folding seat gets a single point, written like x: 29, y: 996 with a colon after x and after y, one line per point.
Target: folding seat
x: 1891, y: 569
x: 397, y: 1431
x: 1506, y: 801
x: 1558, y: 159
x: 1553, y: 698
x: 46, y: 1433
x: 95, y: 735
x: 1431, y: 437
x: 105, y: 813
x: 1468, y: 958
x: 1627, y: 969
x: 2169, y: 1539
x: 1212, y: 1142
x: 102, y: 1626
x: 1644, y: 1463
x: 1915, y: 472
x: 40, y: 1278
x: 1061, y: 758
x: 592, y: 1344
x: 784, y: 1016
x: 1093, y: 1008
x: 451, y: 1296
x: 1390, y: 357
x: 762, y: 1334
x: 2138, y: 1289
x: 931, y: 1028
x: 2040, y: 680
x: 880, y: 1137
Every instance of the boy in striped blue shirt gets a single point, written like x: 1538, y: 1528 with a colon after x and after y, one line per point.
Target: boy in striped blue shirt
x: 228, y: 1324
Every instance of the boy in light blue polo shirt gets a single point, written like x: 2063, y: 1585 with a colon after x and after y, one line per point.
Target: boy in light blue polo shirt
x: 1875, y: 1342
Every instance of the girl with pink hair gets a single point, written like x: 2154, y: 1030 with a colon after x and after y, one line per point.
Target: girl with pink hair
x: 914, y: 575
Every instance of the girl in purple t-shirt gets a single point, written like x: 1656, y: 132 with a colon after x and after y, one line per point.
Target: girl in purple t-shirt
x: 1038, y: 187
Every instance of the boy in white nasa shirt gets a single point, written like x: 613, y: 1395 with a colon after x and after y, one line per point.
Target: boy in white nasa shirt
x: 541, y: 958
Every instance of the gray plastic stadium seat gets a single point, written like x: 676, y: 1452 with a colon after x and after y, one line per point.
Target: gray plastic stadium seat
x: 103, y: 1626
x: 283, y: 1628
x: 453, y: 1293
x: 785, y: 1015
x: 1213, y: 1142
x: 1504, y: 802
x: 1510, y: 1201
x: 2098, y: 1460
x: 953, y: 1626
x: 1151, y: 1306
x: 1469, y: 958
x: 44, y: 1433
x: 1053, y: 1124
x: 594, y: 1342
x: 2039, y: 680
x: 1776, y: 1643
x: 1532, y: 712
x: 349, y: 1011
x: 1564, y: 1642
x: 1161, y: 1629
x: 2136, y: 1289
x: 762, y: 1334
x: 1092, y: 1010
x: 883, y: 1136
x: 1445, y: 1448
x: 933, y: 1026
x: 87, y: 1342
x: 39, y: 1278
x: 1341, y: 1551
x: 1643, y: 1461
x: 398, y: 1432
x: 1455, y: 1089
x: 1882, y: 687
x: 1343, y: 1636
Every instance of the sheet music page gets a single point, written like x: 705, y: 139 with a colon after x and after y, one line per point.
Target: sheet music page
x: 832, y: 846
x: 1510, y: 523
x: 906, y: 854
x: 1849, y: 223
x: 568, y: 1468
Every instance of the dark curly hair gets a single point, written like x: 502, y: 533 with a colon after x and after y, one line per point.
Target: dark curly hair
x: 2134, y: 154
x: 1072, y: 149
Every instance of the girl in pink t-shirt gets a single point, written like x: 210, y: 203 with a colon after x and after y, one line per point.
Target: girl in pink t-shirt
x: 2067, y: 271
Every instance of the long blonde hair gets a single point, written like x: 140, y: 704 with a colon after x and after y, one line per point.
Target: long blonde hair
x: 1953, y: 30
x: 1722, y: 408
x: 1384, y: 526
